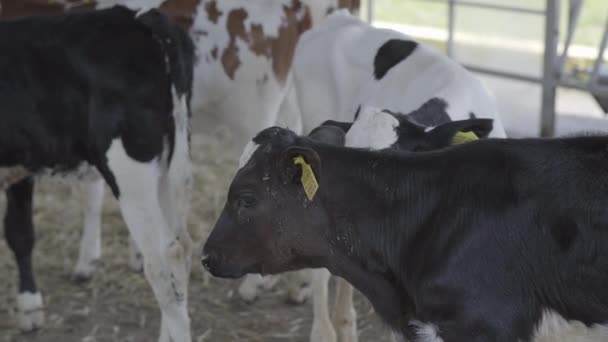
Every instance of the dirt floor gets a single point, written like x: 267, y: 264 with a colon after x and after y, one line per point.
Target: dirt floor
x: 117, y: 304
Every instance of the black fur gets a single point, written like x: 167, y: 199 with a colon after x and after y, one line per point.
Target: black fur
x: 432, y: 113
x: 19, y: 231
x: 476, y: 239
x: 390, y: 54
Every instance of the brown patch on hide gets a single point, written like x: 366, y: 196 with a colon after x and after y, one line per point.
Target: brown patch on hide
x: 212, y: 12
x: 279, y: 50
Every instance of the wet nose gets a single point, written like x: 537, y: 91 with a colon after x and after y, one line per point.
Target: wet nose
x: 207, y: 261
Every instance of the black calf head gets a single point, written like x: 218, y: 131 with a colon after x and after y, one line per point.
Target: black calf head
x: 268, y: 220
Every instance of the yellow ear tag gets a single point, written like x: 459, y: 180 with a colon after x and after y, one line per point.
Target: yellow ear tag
x: 463, y: 137
x: 309, y: 182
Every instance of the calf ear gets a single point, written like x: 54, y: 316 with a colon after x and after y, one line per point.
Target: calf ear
x: 331, y: 135
x: 302, y: 166
x: 344, y: 126
x: 442, y: 135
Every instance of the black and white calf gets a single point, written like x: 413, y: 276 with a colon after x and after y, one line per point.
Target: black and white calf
x: 344, y: 63
x: 493, y: 240
x: 107, y: 94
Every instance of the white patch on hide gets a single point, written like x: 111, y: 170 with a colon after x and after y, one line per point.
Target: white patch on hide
x: 90, y: 242
x: 373, y: 129
x: 267, y: 13
x: 248, y: 151
x: 30, y: 311
x: 554, y: 328
x: 425, y: 332
x: 148, y: 225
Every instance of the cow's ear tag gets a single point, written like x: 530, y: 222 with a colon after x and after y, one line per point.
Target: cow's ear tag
x: 309, y: 182
x: 464, y: 137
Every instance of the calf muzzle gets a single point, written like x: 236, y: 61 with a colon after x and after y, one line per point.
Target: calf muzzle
x: 219, y: 265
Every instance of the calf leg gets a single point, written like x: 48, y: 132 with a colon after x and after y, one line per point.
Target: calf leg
x: 175, y: 197
x: 165, y: 258
x: 322, y: 327
x: 345, y: 316
x: 19, y: 233
x: 90, y: 243
x: 136, y: 262
x: 298, y: 286
x: 248, y: 290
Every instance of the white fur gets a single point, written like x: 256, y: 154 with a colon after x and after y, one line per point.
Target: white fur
x: 154, y: 200
x: 345, y: 315
x: 165, y: 267
x: 322, y: 326
x: 249, y: 102
x: 136, y: 259
x: 554, y: 328
x: 30, y: 311
x: 90, y: 243
x: 248, y: 151
x: 425, y: 332
x: 333, y: 73
x: 249, y: 286
x: 373, y: 129
x: 248, y: 289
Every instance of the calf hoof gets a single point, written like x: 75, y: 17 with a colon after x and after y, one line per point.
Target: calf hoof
x: 83, y: 272
x: 299, y: 295
x: 30, y: 311
x: 136, y: 262
x: 268, y: 282
x: 323, y: 331
x: 248, y: 291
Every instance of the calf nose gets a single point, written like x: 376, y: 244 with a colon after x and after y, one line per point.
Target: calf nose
x: 206, y: 260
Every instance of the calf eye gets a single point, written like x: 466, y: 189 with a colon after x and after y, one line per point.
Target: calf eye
x: 246, y: 200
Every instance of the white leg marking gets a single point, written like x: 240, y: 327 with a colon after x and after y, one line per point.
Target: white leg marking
x: 554, y: 328
x: 176, y: 187
x: 298, y: 286
x: 345, y: 317
x: 30, y: 311
x: 248, y: 290
x: 90, y: 243
x: 136, y: 260
x: 164, y: 257
x: 425, y: 332
x: 322, y: 327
